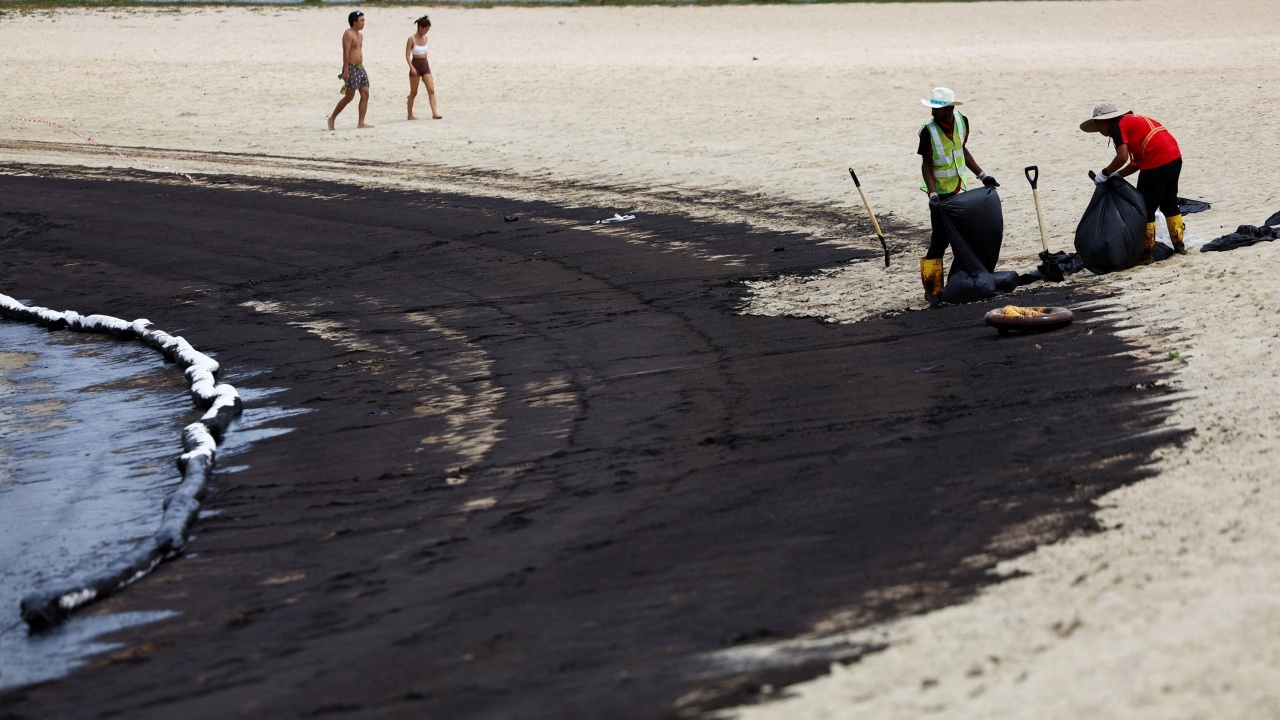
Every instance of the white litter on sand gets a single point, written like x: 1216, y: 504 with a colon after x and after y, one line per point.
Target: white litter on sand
x: 616, y: 218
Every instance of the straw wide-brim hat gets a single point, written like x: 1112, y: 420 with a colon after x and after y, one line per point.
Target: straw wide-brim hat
x: 1102, y: 111
x: 940, y: 98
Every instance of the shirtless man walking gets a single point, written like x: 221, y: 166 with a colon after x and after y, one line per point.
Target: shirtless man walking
x: 353, y: 75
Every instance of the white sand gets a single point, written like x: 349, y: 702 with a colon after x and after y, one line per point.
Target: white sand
x: 1173, y: 613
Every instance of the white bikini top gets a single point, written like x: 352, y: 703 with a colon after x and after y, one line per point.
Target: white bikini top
x: 418, y: 50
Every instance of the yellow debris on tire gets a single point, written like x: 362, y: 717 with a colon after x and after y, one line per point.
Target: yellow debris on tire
x: 1015, y: 311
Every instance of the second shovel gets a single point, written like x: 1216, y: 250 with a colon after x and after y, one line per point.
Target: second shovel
x: 1048, y: 267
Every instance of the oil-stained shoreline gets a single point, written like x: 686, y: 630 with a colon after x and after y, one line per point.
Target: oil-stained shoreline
x: 552, y: 467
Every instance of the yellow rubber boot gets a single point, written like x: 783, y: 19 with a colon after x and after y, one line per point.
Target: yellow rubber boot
x: 1148, y: 246
x: 1176, y: 233
x: 931, y: 278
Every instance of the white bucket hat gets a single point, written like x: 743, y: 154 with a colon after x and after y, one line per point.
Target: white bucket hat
x: 1102, y: 111
x: 941, y: 97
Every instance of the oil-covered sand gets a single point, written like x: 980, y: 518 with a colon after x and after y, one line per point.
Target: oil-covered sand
x: 552, y: 471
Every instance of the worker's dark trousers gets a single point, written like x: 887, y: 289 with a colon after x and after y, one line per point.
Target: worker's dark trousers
x: 937, y: 242
x: 1159, y: 189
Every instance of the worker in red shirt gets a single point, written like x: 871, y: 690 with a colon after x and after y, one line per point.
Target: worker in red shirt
x: 1143, y: 144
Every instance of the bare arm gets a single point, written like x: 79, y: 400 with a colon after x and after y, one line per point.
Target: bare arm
x: 408, y: 56
x: 926, y: 169
x: 971, y: 163
x: 1121, y: 161
x: 348, y: 43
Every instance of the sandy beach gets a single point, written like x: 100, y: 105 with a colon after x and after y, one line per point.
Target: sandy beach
x: 1130, y: 580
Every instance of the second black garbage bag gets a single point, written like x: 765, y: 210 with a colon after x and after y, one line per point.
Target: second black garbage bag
x: 1113, y: 230
x: 974, y: 224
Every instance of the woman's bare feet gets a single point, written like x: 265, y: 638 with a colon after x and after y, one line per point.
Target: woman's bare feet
x: 363, y: 126
x: 414, y: 117
x: 437, y: 117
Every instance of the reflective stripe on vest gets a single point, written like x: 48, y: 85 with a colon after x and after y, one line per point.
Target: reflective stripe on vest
x: 948, y: 157
x: 1153, y: 128
x: 1150, y: 143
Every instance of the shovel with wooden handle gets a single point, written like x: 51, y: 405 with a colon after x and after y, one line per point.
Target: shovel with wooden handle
x: 874, y: 223
x: 1048, y: 268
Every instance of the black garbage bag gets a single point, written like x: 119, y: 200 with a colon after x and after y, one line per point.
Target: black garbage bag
x: 973, y: 223
x: 1113, y: 230
x: 1187, y: 206
x: 1068, y: 264
x: 1244, y: 236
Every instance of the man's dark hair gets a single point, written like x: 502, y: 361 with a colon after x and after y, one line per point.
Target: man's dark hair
x: 353, y: 17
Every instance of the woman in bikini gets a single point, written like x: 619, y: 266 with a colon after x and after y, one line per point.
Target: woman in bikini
x: 415, y: 53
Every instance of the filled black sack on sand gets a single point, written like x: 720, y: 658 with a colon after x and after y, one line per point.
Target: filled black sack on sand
x: 973, y: 222
x: 1113, y: 230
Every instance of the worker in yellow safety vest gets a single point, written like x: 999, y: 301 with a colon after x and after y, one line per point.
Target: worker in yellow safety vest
x: 944, y: 157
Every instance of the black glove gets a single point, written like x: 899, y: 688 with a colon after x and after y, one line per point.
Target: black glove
x: 934, y: 200
x: 988, y: 181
